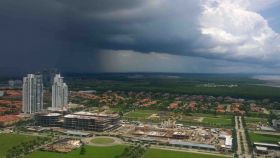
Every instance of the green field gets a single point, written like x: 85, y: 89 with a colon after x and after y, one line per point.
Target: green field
x: 91, y: 152
x: 190, y: 118
x: 255, y: 120
x: 264, y: 138
x: 195, y: 119
x: 207, y: 120
x: 217, y: 121
x: 111, y: 152
x: 102, y: 140
x: 8, y: 141
x: 158, y: 153
x: 115, y: 109
x: 140, y: 114
x: 143, y: 115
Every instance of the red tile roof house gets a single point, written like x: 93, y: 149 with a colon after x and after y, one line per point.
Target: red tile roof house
x: 8, y: 120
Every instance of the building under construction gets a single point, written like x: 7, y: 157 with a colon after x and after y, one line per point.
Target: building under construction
x: 91, y: 121
x: 49, y: 119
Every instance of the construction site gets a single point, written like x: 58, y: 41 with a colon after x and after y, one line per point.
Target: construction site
x: 63, y: 146
x: 91, y: 121
x: 174, y: 134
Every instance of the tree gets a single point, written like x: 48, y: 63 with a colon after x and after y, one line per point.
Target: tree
x: 83, y: 150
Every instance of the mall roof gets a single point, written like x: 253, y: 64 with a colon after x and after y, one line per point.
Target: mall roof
x: 266, y: 144
x: 261, y: 148
x: 176, y: 142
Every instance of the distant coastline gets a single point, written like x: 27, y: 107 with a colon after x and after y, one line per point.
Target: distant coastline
x: 269, y: 80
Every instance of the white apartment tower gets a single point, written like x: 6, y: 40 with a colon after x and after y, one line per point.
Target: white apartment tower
x: 32, y: 94
x: 59, y: 92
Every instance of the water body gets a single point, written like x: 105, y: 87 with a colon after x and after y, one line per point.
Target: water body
x: 269, y: 80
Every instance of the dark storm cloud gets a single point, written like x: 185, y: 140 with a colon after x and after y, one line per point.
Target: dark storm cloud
x: 143, y: 26
x: 67, y: 33
x: 71, y: 34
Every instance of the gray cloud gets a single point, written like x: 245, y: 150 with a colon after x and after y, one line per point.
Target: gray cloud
x: 70, y: 34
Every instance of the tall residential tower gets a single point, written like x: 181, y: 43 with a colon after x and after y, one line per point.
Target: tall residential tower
x: 59, y: 92
x: 32, y: 93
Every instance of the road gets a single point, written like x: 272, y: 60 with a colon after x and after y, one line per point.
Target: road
x: 241, y: 133
x: 239, y: 151
x: 188, y: 150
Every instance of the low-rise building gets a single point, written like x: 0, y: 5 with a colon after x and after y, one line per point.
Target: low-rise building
x: 269, y: 146
x: 227, y: 141
x: 276, y: 124
x: 8, y: 120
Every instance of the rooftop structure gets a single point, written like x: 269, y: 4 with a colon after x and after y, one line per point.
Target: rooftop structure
x: 259, y: 148
x: 228, y: 140
x: 276, y: 123
x: 269, y: 146
x: 63, y: 110
x: 267, y: 128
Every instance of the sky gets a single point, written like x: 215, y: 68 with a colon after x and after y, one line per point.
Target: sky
x: 188, y: 36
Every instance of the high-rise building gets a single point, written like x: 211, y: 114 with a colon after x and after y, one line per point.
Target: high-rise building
x: 15, y: 83
x: 32, y: 93
x: 59, y: 92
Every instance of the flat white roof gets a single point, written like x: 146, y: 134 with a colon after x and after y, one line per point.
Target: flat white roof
x: 57, y: 109
x: 179, y: 133
x: 77, y: 116
x: 83, y: 113
x: 267, y: 144
x: 53, y: 114
x: 76, y: 133
x: 267, y: 128
x: 176, y: 142
x: 92, y: 114
x: 83, y: 117
x: 260, y: 148
x: 228, y: 141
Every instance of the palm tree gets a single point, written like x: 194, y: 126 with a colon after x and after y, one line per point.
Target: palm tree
x: 83, y: 150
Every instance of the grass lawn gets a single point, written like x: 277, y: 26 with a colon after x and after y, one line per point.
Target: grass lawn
x: 7, y: 141
x: 212, y: 115
x: 91, y: 152
x: 144, y: 116
x: 190, y: 118
x: 102, y: 140
x: 158, y: 153
x: 196, y: 119
x: 217, y: 120
x: 115, y: 109
x: 264, y: 138
x: 140, y: 113
x: 255, y: 120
